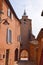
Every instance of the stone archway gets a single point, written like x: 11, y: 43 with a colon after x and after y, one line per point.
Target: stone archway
x: 24, y: 55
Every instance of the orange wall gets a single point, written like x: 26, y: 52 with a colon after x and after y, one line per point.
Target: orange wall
x: 39, y: 52
x: 14, y: 25
x: 34, y: 53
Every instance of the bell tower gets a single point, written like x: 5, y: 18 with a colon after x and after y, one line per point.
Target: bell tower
x: 26, y: 28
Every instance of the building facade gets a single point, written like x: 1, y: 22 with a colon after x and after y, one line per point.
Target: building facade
x: 9, y: 34
x: 36, y: 49
x: 16, y: 38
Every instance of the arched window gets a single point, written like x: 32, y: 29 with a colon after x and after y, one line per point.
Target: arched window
x: 9, y: 36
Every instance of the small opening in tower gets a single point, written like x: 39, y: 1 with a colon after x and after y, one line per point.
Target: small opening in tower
x: 24, y: 19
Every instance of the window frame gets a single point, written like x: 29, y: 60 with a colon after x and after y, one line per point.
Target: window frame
x: 9, y: 12
x: 9, y: 36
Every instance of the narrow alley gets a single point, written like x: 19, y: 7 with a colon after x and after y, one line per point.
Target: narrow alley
x: 24, y: 63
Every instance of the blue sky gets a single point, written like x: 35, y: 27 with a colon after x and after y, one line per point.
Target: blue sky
x: 33, y: 9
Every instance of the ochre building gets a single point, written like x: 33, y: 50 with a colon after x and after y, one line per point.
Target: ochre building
x: 16, y: 39
x: 9, y: 34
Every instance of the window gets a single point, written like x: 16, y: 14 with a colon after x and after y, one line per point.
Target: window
x: 9, y: 36
x: 24, y: 21
x: 9, y: 13
x: 12, y: 16
x: 19, y: 38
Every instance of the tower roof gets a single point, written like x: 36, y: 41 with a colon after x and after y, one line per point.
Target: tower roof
x: 24, y: 13
x: 40, y: 35
x: 42, y: 13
